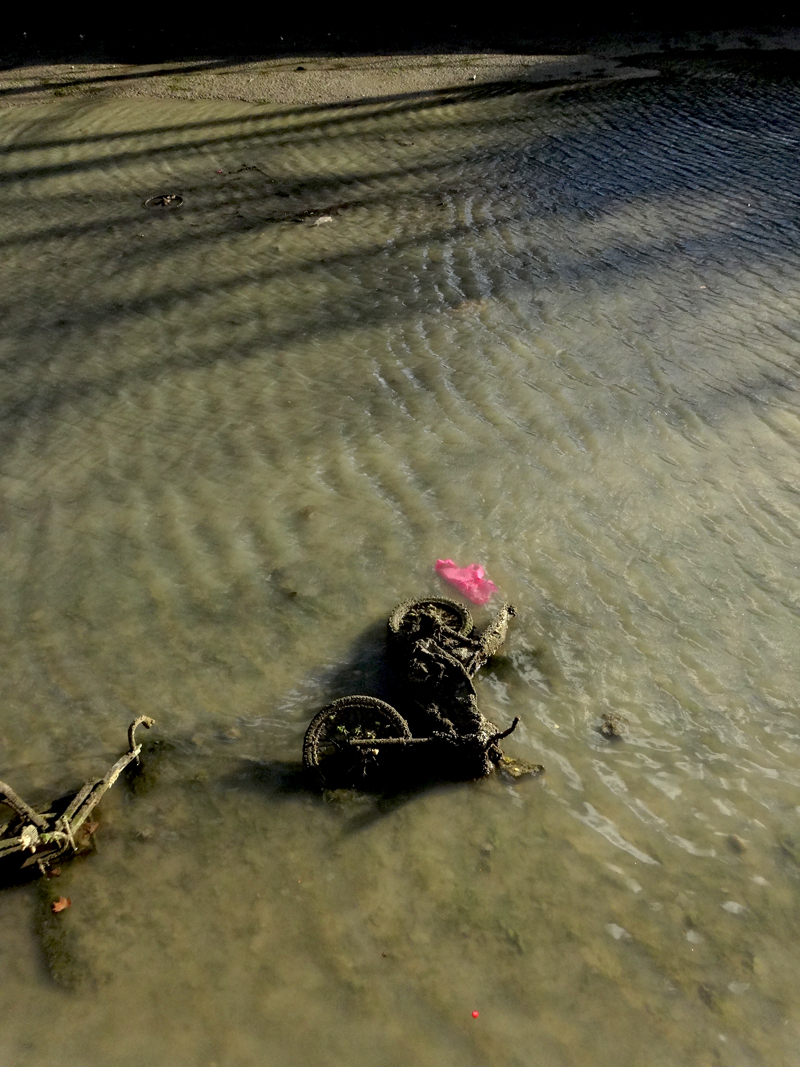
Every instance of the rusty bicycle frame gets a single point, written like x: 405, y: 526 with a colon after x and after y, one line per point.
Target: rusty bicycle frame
x: 41, y: 837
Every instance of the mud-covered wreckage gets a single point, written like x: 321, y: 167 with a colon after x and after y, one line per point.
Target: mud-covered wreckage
x: 435, y: 650
x: 356, y: 742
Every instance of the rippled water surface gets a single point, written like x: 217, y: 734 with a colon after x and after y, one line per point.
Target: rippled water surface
x: 554, y: 332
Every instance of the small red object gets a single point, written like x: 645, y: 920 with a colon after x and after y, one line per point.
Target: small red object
x: 60, y: 905
x: 475, y: 1014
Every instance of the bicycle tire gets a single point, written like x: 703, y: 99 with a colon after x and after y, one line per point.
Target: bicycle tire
x: 324, y: 754
x: 447, y: 612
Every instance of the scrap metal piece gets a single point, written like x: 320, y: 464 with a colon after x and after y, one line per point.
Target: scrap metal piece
x: 41, y: 838
x: 166, y: 200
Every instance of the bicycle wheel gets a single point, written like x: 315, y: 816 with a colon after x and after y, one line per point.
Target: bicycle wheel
x: 403, y: 620
x: 326, y: 752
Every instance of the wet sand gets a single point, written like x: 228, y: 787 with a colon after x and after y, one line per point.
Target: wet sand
x: 319, y: 80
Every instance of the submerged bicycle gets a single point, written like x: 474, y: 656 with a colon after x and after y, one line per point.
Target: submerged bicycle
x: 363, y: 742
x: 37, y: 839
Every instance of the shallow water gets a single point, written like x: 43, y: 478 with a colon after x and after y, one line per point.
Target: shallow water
x: 554, y: 332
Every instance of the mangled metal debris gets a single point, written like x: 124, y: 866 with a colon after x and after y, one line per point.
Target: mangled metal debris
x: 33, y: 841
x: 364, y: 742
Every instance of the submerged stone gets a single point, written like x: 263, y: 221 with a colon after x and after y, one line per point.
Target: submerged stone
x: 519, y: 768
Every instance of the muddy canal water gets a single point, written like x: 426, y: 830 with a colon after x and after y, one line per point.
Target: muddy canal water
x: 554, y: 332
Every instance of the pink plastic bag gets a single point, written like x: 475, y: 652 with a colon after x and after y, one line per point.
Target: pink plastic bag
x: 471, y: 580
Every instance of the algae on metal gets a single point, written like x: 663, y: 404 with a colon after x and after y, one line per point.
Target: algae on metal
x: 32, y: 841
